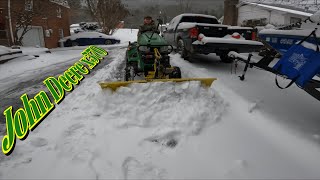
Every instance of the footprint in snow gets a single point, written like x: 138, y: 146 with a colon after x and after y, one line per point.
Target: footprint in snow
x: 169, y: 139
x: 39, y: 142
x: 72, y: 129
x: 133, y: 169
x: 27, y: 160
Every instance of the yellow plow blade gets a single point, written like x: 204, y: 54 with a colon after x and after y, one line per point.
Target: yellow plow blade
x: 115, y: 85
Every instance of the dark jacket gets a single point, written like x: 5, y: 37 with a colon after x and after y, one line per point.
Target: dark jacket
x: 148, y: 27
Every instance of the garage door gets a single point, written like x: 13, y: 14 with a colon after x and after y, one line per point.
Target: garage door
x: 34, y: 37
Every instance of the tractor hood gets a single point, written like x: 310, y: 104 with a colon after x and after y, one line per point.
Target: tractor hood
x: 156, y: 40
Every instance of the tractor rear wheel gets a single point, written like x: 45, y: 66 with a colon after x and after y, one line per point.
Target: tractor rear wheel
x: 130, y: 74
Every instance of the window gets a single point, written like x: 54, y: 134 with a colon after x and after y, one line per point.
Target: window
x: 61, y: 35
x: 199, y: 19
x: 28, y: 5
x: 59, y: 12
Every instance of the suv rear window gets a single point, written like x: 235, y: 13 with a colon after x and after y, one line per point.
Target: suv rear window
x: 199, y: 19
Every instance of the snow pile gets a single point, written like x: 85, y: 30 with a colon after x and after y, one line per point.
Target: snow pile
x: 225, y: 40
x: 165, y: 107
x: 34, y: 50
x: 4, y: 50
x: 126, y: 35
x: 234, y: 36
x: 270, y: 26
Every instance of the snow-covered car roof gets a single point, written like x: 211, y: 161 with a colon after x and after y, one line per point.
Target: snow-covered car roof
x: 202, y: 15
x: 88, y: 35
x: 185, y: 25
x: 240, y: 27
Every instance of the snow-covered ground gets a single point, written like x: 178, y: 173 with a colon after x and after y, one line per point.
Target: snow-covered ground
x: 233, y: 129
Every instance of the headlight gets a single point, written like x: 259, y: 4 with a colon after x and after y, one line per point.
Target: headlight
x: 144, y: 49
x: 166, y: 49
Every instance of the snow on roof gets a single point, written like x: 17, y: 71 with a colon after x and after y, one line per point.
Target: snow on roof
x: 279, y: 9
x: 63, y: 3
x: 297, y: 32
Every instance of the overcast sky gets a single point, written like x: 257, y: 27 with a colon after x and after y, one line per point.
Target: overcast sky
x: 196, y: 3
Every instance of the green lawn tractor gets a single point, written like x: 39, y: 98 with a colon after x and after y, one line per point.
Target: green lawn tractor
x: 148, y: 60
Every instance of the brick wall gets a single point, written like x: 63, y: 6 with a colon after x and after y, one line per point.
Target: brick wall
x: 54, y: 23
x: 3, y: 23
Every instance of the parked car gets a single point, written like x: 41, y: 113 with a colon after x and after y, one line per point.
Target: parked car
x: 202, y: 34
x: 88, y: 38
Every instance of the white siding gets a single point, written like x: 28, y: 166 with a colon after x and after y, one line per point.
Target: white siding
x: 249, y: 12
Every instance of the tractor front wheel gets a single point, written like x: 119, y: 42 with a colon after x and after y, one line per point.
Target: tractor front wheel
x: 130, y: 74
x: 176, y: 73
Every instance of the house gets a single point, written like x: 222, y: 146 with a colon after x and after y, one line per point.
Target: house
x: 50, y: 22
x: 256, y: 14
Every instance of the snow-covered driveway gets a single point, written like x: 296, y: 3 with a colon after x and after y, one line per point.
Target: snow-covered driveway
x: 168, y: 131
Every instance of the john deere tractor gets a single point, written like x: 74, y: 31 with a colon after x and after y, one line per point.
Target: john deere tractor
x: 148, y: 60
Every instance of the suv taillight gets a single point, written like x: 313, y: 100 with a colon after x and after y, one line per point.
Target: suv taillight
x: 194, y: 32
x: 253, y: 36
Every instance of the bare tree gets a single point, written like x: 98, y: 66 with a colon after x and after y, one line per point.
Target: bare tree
x: 108, y: 13
x: 184, y: 6
x: 24, y: 16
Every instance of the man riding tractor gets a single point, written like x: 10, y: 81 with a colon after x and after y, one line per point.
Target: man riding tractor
x: 148, y: 25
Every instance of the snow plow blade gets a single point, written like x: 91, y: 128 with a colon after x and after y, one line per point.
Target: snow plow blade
x: 115, y: 85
